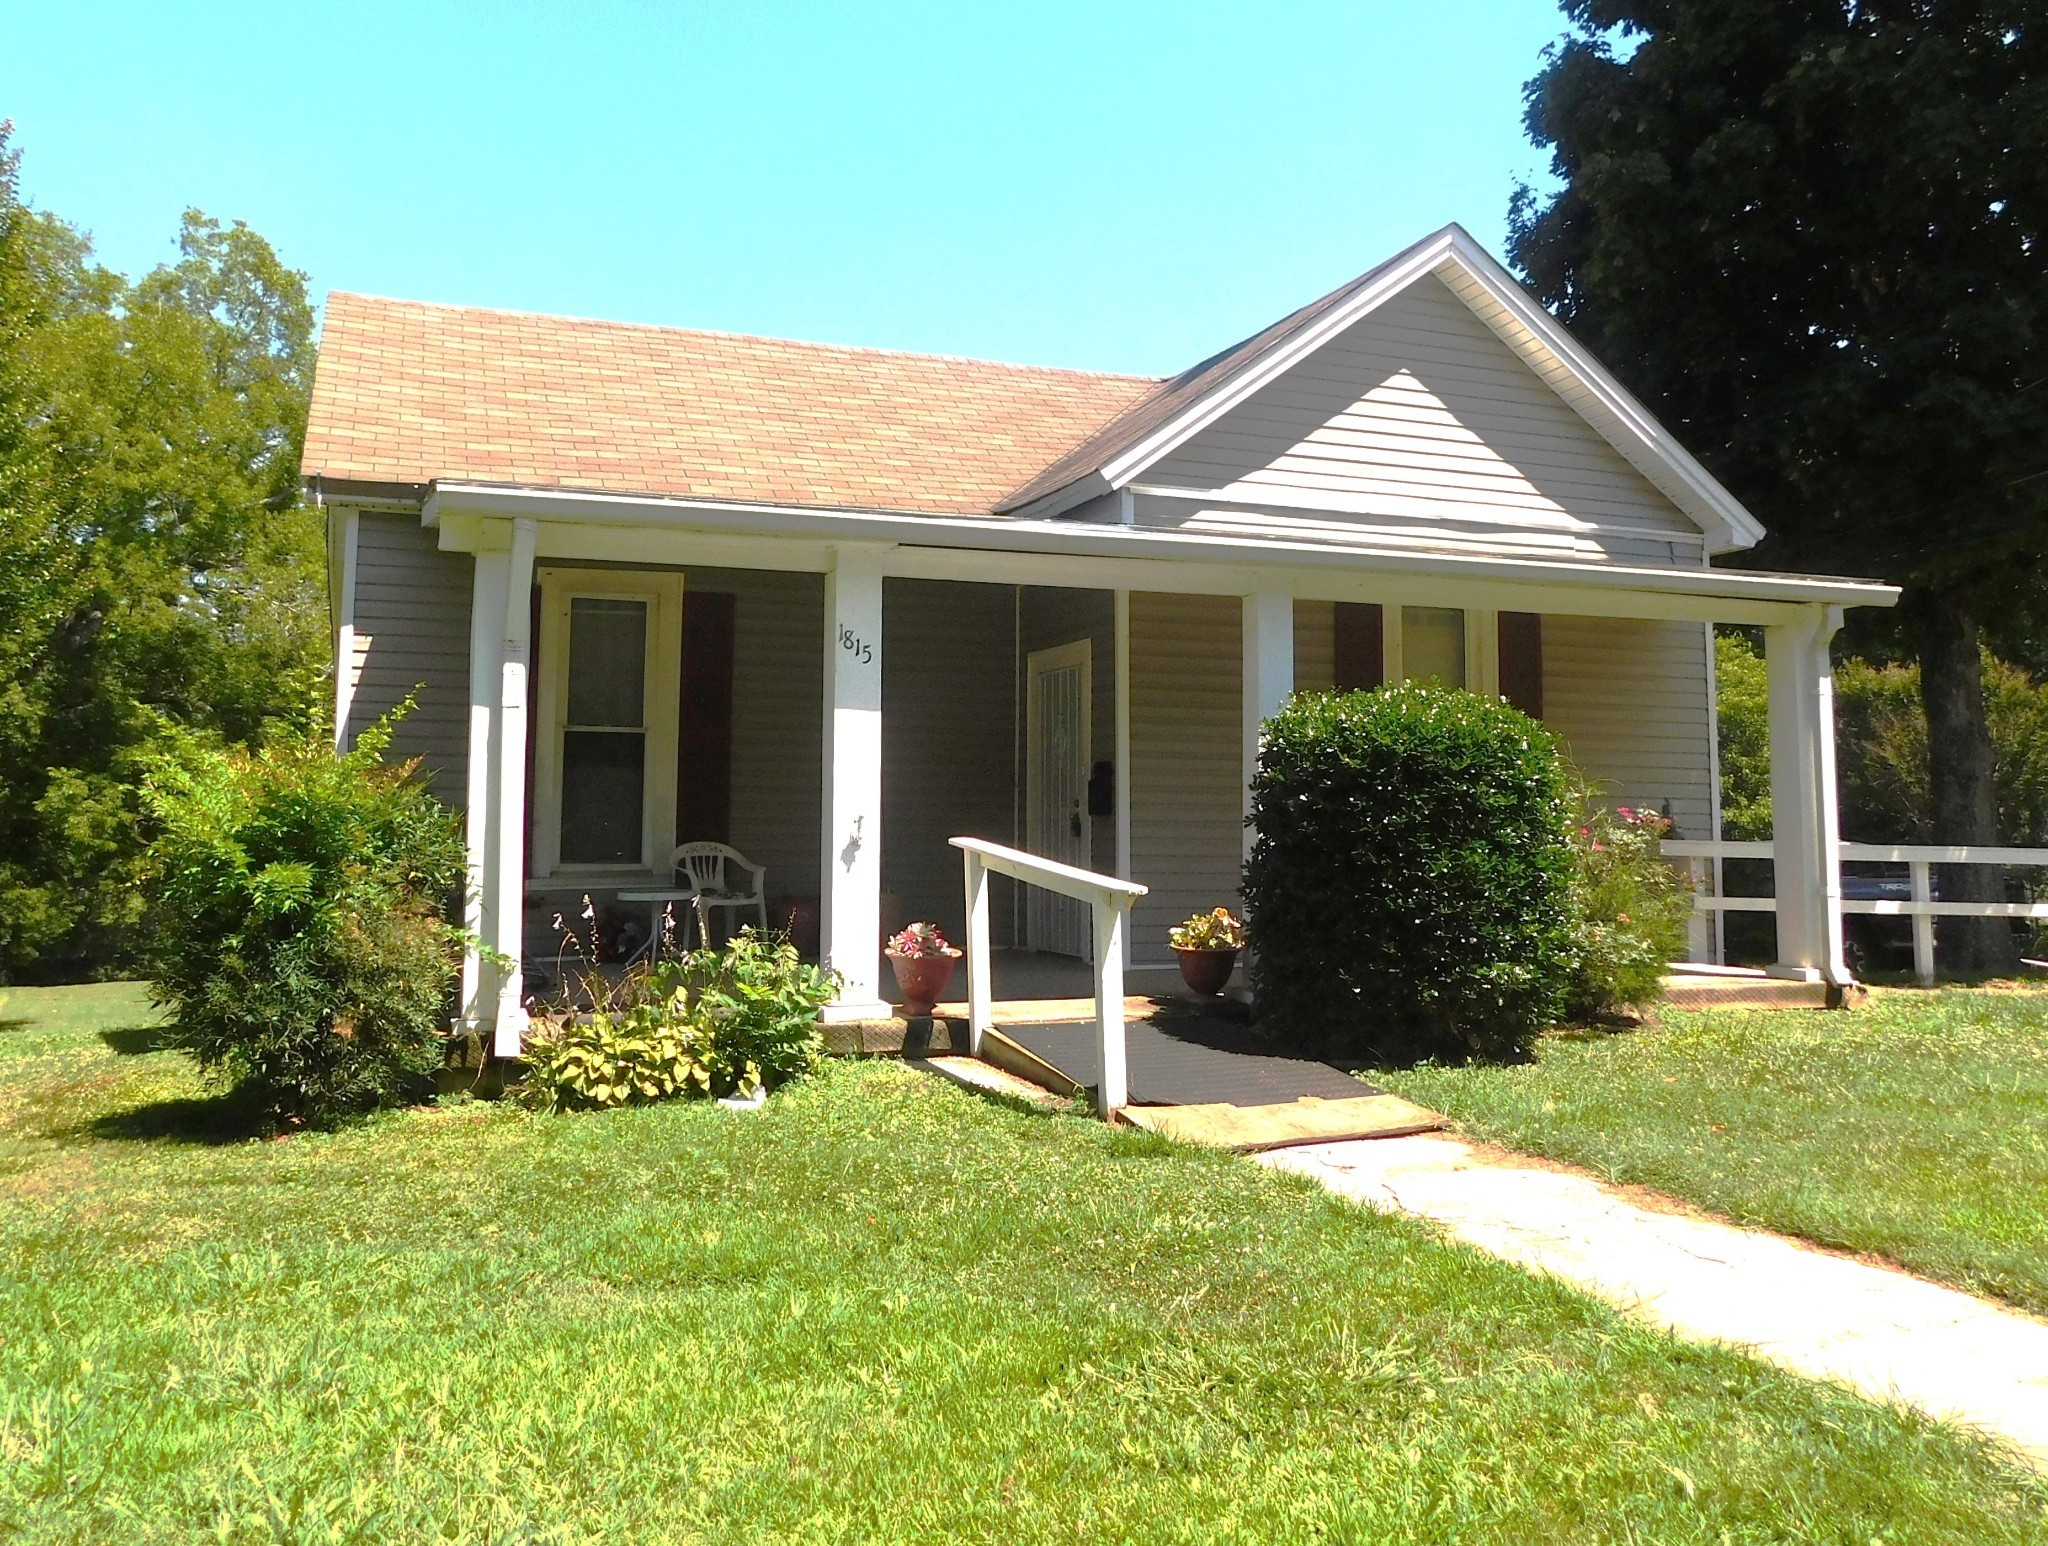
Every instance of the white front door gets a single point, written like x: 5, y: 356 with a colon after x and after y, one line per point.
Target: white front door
x: 1060, y: 693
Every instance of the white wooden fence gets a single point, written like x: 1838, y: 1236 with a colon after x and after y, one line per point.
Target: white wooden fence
x: 1918, y: 858
x: 1109, y: 899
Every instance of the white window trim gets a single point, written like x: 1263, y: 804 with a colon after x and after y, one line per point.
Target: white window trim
x: 663, y: 593
x: 1482, y: 647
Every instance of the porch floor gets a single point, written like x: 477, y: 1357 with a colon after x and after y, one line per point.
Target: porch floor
x: 1037, y: 977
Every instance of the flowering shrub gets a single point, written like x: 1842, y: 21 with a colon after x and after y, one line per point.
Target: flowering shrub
x: 920, y: 940
x: 1208, y: 931
x: 716, y: 1022
x: 1631, y: 909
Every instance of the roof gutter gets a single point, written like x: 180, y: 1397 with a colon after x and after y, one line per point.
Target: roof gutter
x: 1088, y: 540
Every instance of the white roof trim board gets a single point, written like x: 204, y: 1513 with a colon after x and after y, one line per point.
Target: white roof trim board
x: 1097, y: 542
x: 1494, y: 296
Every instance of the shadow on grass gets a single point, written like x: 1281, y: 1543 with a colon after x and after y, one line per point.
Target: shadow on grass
x: 20, y: 1024
x: 210, y: 1120
x: 136, y: 1039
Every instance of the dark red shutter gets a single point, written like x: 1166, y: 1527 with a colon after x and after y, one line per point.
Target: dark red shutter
x: 1361, y: 647
x: 1521, y: 661
x: 704, y: 739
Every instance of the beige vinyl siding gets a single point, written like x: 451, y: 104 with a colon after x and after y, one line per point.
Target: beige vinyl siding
x: 1419, y: 426
x: 948, y: 731
x: 1315, y: 646
x: 1187, y: 761
x: 1629, y: 699
x: 412, y: 635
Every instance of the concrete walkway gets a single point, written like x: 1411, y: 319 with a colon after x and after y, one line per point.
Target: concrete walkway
x: 1882, y: 1332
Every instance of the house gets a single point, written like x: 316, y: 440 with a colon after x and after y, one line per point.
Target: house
x: 835, y: 606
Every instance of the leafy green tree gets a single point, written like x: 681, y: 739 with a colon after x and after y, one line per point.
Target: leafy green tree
x: 1810, y: 234
x: 1743, y: 722
x: 1884, y: 759
x: 157, y: 572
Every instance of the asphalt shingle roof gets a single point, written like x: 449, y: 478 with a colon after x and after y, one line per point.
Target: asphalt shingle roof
x: 409, y: 393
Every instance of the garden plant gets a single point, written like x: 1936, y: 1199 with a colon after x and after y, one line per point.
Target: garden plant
x: 1629, y: 907
x: 728, y: 1021
x: 300, y: 899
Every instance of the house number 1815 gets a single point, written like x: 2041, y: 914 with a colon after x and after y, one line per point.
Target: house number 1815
x: 861, y: 650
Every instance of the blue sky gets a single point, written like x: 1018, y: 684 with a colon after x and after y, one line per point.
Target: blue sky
x: 1114, y: 187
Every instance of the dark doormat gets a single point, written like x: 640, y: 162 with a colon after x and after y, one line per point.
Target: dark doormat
x: 1190, y: 1059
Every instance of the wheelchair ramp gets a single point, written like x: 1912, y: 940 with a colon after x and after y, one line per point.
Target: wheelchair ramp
x: 1203, y: 1078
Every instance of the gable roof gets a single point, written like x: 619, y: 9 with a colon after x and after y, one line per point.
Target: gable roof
x: 1175, y: 395
x: 408, y: 393
x: 1181, y: 406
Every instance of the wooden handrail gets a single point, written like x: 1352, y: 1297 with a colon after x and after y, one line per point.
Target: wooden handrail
x: 1109, y: 899
x: 1066, y: 879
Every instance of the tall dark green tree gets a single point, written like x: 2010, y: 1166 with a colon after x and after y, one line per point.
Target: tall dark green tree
x: 1810, y: 234
x: 158, y: 577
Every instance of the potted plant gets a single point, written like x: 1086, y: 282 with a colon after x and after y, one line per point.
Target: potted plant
x: 923, y: 963
x: 1207, y: 945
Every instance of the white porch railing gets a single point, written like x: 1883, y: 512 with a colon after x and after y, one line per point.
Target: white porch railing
x: 1919, y: 859
x: 1108, y: 898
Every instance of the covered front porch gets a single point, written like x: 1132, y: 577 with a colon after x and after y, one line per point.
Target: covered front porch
x: 849, y: 692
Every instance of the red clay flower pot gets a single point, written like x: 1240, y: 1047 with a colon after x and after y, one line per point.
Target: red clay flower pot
x: 1207, y: 972
x: 923, y: 980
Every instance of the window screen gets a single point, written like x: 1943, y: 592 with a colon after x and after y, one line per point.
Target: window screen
x: 1433, y: 645
x: 604, y: 737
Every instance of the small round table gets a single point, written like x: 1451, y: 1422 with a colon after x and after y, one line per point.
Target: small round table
x: 659, y: 900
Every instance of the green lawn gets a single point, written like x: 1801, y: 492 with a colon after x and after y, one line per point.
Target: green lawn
x: 1915, y: 1127
x: 880, y: 1309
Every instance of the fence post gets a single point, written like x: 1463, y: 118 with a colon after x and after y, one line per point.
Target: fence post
x: 1114, y: 1091
x: 1923, y: 923
x: 979, y: 1010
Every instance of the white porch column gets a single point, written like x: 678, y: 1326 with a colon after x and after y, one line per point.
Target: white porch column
x: 509, y: 808
x: 1268, y: 675
x: 851, y: 890
x: 480, y: 905
x: 1121, y: 632
x: 1805, y: 827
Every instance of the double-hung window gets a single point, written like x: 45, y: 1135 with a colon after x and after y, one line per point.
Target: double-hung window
x: 605, y: 731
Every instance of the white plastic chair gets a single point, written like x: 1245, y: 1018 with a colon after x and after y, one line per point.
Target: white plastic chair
x: 704, y: 868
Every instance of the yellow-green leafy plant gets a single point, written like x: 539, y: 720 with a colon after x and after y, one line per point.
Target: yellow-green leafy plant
x: 1215, y: 930
x: 727, y: 1021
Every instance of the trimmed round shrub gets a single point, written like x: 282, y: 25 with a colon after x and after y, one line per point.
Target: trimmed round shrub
x: 1410, y: 888
x: 299, y: 901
